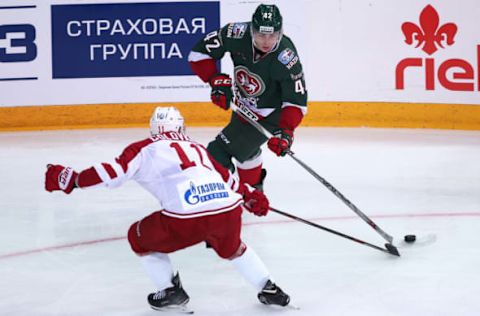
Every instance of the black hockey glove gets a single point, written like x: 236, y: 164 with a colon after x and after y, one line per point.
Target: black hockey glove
x: 221, y: 94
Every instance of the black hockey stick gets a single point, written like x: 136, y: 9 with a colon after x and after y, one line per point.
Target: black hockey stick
x: 389, y: 248
x: 253, y: 119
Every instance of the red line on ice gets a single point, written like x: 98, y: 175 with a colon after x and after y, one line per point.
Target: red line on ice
x: 65, y: 246
x: 327, y: 218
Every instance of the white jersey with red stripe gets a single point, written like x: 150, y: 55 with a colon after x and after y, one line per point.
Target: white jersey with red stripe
x: 176, y: 170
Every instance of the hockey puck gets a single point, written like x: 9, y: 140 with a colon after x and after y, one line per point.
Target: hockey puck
x: 410, y: 238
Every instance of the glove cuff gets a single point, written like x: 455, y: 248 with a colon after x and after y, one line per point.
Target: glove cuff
x: 66, y: 179
x: 220, y: 79
x: 245, y: 189
x: 288, y: 132
x: 284, y: 133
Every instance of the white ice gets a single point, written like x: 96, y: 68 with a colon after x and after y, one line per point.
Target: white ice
x: 67, y: 255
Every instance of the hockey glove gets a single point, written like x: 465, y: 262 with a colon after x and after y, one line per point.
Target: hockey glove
x: 281, y: 142
x: 59, y: 177
x: 221, y: 94
x: 256, y: 202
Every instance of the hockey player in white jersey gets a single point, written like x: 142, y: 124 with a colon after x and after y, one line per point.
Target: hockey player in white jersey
x: 201, y: 202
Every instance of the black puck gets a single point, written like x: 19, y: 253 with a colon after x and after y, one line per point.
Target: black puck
x: 410, y: 238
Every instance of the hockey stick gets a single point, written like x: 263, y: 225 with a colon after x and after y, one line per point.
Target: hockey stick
x: 389, y: 248
x: 252, y: 118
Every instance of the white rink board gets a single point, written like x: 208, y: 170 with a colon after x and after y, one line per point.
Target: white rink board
x: 362, y: 44
x: 350, y: 50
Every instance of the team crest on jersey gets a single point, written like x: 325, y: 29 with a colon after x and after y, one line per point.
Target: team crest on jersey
x: 250, y: 83
x: 288, y: 58
x: 236, y: 30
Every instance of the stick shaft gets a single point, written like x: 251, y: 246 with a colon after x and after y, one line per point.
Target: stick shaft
x: 346, y: 201
x: 331, y: 231
x: 253, y: 120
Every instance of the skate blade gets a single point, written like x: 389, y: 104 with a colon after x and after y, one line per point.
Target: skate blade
x: 292, y: 307
x: 279, y: 307
x: 181, y: 309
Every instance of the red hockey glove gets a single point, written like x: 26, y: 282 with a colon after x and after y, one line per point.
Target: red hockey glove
x: 221, y: 94
x: 256, y: 202
x: 59, y: 177
x: 281, y: 142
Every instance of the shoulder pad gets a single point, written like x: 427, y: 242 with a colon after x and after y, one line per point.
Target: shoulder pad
x: 236, y: 30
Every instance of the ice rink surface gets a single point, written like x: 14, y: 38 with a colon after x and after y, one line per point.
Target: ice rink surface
x: 68, y: 255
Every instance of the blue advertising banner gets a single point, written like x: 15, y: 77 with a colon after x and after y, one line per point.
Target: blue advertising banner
x: 127, y: 39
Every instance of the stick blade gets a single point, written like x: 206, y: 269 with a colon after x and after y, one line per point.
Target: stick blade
x: 392, y: 250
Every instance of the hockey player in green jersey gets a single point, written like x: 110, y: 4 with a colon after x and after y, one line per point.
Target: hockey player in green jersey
x: 267, y: 78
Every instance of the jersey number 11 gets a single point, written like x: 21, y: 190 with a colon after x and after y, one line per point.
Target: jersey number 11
x: 186, y: 161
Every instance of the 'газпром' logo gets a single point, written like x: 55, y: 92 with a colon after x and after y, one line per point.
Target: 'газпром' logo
x: 430, y: 35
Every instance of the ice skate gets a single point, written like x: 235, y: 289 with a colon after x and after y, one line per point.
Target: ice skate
x: 271, y: 294
x: 172, y: 298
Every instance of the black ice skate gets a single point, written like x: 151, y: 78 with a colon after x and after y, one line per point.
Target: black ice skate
x: 271, y: 294
x: 171, y: 298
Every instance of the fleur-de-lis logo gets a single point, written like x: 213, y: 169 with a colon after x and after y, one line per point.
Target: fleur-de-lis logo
x: 429, y: 33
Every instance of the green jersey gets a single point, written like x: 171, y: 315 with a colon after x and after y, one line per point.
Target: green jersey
x: 263, y: 82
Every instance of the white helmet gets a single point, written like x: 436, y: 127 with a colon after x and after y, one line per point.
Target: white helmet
x: 166, y: 119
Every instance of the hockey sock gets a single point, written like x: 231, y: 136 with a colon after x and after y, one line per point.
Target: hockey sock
x: 159, y: 269
x: 250, y: 171
x: 252, y: 268
x: 250, y: 176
